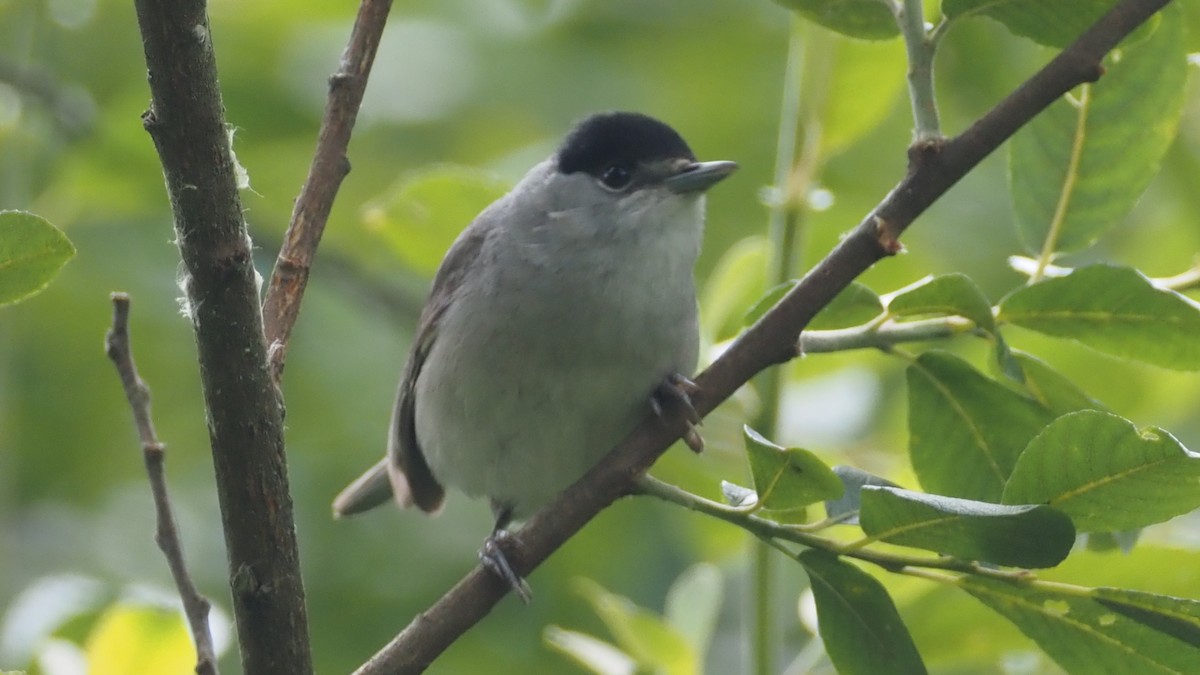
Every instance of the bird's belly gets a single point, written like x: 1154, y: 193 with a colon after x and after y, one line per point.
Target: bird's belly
x: 518, y: 434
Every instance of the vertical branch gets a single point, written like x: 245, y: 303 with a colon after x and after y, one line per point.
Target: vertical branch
x: 245, y: 417
x: 781, y: 233
x: 910, y: 16
x: 195, y: 606
x: 810, y: 58
x: 329, y: 167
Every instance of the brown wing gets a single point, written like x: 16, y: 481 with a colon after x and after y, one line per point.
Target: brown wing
x: 412, y: 481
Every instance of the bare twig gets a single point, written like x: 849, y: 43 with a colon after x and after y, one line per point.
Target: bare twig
x: 933, y: 168
x: 245, y: 416
x: 329, y: 167
x: 195, y: 606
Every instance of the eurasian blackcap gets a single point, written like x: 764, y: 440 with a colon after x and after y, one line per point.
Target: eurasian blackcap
x: 555, y: 322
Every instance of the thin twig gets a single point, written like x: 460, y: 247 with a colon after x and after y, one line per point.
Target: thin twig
x: 772, y: 533
x: 920, y: 45
x: 934, y: 167
x: 195, y: 605
x: 882, y: 336
x: 329, y: 167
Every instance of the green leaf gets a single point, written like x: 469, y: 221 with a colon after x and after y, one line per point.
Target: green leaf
x: 735, y: 284
x: 788, y: 479
x: 863, y: 81
x: 1177, y: 617
x: 944, y: 295
x: 1115, y: 310
x: 865, y: 19
x: 862, y: 630
x: 769, y: 300
x: 966, y: 430
x: 139, y: 639
x: 854, y: 306
x: 1051, y: 388
x: 588, y: 652
x: 853, y: 481
x: 653, y: 644
x: 953, y: 295
x: 1004, y: 359
x: 32, y: 251
x: 694, y: 603
x: 1124, y: 540
x: 1082, y: 634
x: 1106, y: 473
x: 425, y: 211
x: 1055, y: 23
x: 1078, y: 168
x: 1191, y: 14
x: 1030, y: 535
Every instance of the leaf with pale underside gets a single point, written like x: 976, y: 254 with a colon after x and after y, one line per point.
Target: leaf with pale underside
x: 846, y: 507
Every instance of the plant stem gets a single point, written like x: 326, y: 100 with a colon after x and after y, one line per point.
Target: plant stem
x: 921, y: 47
x: 883, y: 336
x: 774, y: 533
x: 784, y: 231
x: 781, y: 234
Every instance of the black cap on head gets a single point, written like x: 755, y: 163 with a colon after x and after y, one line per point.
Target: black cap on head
x: 605, y: 139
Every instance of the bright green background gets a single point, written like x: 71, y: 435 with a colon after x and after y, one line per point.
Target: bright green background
x: 489, y: 85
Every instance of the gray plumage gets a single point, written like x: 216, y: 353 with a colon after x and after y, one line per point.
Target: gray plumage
x: 551, y: 322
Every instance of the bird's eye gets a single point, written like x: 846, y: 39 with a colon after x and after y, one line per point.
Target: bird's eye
x: 617, y: 177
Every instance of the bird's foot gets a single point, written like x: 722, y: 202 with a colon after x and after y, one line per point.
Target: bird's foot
x: 678, y: 388
x: 492, y: 556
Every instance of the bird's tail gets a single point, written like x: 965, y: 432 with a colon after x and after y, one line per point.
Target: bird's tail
x: 367, y: 491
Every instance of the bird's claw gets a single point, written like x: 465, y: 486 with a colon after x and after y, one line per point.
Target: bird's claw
x: 679, y: 388
x: 492, y: 556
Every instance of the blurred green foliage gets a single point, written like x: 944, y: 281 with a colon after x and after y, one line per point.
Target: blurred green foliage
x: 493, y: 86
x: 31, y: 253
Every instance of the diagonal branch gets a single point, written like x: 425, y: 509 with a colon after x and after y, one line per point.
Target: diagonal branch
x: 195, y: 606
x: 329, y: 167
x: 933, y: 168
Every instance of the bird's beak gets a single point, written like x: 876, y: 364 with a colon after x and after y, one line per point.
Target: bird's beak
x: 699, y: 176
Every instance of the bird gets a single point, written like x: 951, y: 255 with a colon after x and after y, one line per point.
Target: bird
x: 559, y: 319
